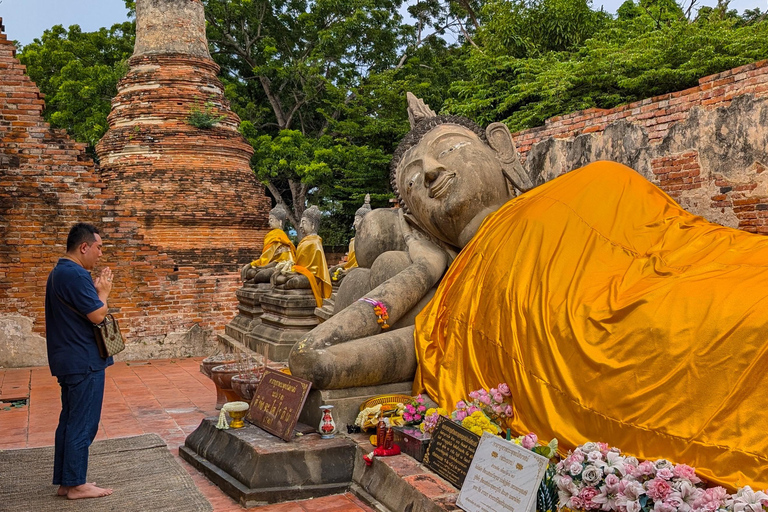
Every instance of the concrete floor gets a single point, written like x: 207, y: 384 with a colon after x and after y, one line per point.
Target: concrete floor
x: 164, y: 397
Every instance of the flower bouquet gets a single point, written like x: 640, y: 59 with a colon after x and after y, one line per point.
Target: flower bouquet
x: 414, y: 410
x: 595, y: 476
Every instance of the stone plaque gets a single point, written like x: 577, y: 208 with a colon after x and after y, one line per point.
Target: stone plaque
x: 277, y: 403
x: 503, y: 477
x: 450, y: 452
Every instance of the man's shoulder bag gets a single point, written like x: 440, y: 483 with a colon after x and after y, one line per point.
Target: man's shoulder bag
x: 109, y: 339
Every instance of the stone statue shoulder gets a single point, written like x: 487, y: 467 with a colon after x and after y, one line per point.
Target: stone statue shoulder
x: 380, y: 231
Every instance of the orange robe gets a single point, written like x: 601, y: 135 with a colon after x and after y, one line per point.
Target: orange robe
x: 351, y: 257
x: 614, y: 315
x: 277, y: 247
x: 310, y: 261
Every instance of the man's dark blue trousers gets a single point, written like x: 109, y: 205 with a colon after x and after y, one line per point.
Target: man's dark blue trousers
x: 81, y: 398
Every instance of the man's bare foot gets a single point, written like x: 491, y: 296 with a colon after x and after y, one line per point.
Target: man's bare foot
x: 64, y: 489
x: 87, y: 491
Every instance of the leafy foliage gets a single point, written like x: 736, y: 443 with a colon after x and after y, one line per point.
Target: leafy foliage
x: 78, y: 72
x: 648, y: 50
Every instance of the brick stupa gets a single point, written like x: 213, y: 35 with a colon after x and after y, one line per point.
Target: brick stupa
x: 191, y: 189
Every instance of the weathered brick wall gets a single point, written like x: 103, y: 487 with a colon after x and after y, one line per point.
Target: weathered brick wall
x: 706, y: 146
x: 174, y: 282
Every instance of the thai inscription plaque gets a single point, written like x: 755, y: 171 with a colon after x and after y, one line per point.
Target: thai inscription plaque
x: 450, y: 452
x: 503, y: 477
x: 277, y: 403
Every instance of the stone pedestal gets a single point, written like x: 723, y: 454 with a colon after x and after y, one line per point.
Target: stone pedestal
x: 327, y: 310
x: 249, y: 310
x: 346, y: 402
x: 256, y: 468
x: 287, y: 316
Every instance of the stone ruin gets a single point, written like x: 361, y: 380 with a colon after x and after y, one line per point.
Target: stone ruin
x: 178, y: 206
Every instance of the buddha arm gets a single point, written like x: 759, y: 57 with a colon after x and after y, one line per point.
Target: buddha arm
x: 311, y: 357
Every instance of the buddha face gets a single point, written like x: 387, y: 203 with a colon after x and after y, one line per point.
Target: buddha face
x: 274, y: 222
x: 448, y: 178
x: 357, y: 222
x: 307, y: 226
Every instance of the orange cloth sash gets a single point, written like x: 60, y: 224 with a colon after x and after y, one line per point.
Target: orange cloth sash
x: 310, y: 262
x: 277, y: 247
x: 614, y: 315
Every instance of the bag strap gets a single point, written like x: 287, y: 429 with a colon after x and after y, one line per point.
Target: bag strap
x: 53, y: 285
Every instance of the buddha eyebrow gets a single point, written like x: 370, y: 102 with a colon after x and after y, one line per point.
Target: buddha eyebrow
x: 454, y: 147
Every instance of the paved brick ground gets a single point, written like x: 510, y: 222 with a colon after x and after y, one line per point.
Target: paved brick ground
x: 165, y: 397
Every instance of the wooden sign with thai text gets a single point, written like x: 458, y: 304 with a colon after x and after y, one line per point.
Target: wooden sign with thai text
x: 450, y: 451
x: 277, y: 403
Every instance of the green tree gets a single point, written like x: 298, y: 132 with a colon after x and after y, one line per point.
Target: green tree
x: 649, y: 49
x: 307, y: 79
x: 78, y: 73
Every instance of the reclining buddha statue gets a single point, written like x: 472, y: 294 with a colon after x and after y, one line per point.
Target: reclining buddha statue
x: 613, y: 314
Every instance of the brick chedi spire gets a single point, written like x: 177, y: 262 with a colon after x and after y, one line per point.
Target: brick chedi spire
x: 191, y: 188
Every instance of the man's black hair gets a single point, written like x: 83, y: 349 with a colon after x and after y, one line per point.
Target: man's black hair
x: 81, y: 232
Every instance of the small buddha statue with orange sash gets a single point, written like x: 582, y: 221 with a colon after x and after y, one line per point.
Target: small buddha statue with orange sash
x: 277, y: 247
x: 309, y: 269
x: 339, y: 271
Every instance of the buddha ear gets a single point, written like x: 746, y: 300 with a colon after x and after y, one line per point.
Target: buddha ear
x: 500, y: 140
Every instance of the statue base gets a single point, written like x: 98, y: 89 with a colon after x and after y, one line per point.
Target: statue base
x: 256, y: 468
x: 346, y: 402
x: 288, y: 315
x: 248, y: 310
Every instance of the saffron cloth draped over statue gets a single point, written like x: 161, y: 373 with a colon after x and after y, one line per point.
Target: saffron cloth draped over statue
x: 277, y: 247
x: 614, y: 315
x: 310, y: 262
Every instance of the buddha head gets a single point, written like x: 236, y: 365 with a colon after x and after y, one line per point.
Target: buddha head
x: 360, y: 213
x: 447, y: 170
x: 310, y: 221
x: 277, y: 216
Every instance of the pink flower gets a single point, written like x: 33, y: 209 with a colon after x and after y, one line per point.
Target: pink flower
x: 661, y: 506
x: 577, y: 456
x: 508, y: 411
x: 658, y: 489
x: 687, y: 472
x: 504, y: 389
x: 645, y: 468
x: 498, y: 397
x: 474, y: 395
x: 586, y: 495
x: 575, y: 468
x: 460, y: 414
x: 712, y: 499
x: 420, y: 399
x: 421, y: 408
x: 486, y: 399
x: 665, y: 474
x: 461, y: 404
x: 472, y: 408
x: 497, y: 409
x: 529, y: 441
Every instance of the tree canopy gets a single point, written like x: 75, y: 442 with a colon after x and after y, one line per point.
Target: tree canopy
x: 320, y: 84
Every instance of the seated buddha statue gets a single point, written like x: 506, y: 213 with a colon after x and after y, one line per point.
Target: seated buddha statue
x: 339, y: 271
x: 277, y: 247
x: 309, y: 269
x: 613, y: 314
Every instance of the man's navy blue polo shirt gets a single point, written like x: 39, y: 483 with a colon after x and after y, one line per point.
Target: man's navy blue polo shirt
x: 70, y: 340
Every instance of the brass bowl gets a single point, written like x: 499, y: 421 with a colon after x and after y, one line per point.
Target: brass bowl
x: 237, y: 411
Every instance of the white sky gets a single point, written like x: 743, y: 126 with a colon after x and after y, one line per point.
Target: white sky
x: 25, y: 20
